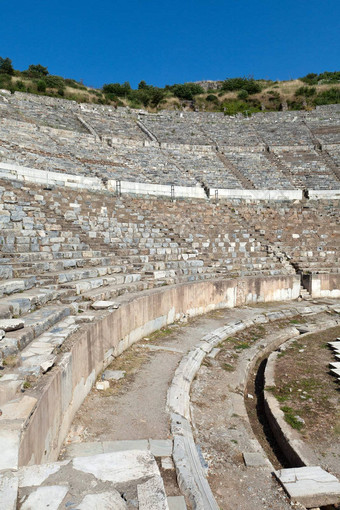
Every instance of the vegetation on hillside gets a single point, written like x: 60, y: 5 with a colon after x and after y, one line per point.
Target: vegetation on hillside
x: 232, y: 96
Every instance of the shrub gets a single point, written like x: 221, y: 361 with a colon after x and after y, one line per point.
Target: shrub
x: 237, y: 106
x: 117, y: 89
x: 310, y: 79
x: 54, y: 82
x: 248, y: 84
x: 243, y: 94
x: 186, y: 90
x: 20, y: 85
x: 305, y: 91
x: 295, y: 105
x: 212, y: 98
x: 329, y: 96
x: 41, y: 86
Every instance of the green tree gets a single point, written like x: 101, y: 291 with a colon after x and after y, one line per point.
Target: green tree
x: 117, y: 89
x: 37, y: 71
x: 6, y: 66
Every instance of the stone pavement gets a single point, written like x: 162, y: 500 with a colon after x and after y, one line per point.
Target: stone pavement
x: 120, y: 480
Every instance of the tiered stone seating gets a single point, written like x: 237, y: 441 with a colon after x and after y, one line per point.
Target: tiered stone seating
x: 108, y: 122
x: 308, y: 169
x: 260, y: 170
x: 176, y: 128
x: 44, y: 111
x: 281, y: 133
x: 205, y: 167
x: 232, y: 135
x: 63, y: 249
x: 309, y: 235
x: 65, y: 151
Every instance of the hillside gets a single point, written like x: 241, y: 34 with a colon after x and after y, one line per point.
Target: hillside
x: 231, y: 96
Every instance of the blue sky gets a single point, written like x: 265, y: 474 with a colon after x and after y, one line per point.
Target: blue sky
x: 172, y: 42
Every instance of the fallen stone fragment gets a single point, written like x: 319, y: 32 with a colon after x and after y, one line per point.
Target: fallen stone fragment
x: 11, y: 324
x: 2, y: 334
x: 102, y: 385
x: 113, y: 375
x: 311, y: 486
x: 103, y: 305
x: 254, y: 459
x: 84, y: 318
x: 177, y: 503
x: 166, y: 463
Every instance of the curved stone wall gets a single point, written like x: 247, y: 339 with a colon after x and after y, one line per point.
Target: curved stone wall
x: 39, y: 434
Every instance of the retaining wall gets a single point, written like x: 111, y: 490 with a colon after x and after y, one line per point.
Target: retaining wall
x: 40, y: 435
x: 323, y: 284
x: 47, y: 178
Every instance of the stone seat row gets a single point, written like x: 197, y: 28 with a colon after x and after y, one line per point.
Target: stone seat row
x: 276, y: 128
x: 49, y: 149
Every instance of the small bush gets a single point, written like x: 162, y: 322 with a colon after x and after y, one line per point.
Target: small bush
x: 117, y: 89
x: 248, y: 84
x: 41, y: 86
x: 305, y: 91
x: 243, y: 94
x: 20, y: 86
x: 329, y: 96
x: 212, y: 98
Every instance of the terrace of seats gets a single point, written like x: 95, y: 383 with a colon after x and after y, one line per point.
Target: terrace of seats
x: 279, y: 150
x: 64, y: 249
x: 308, y: 234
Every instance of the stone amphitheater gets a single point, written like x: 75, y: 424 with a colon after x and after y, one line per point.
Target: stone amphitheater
x: 116, y: 223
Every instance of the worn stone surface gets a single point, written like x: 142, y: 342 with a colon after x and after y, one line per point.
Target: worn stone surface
x: 113, y: 375
x: 102, y: 305
x: 254, y: 459
x: 48, y: 498
x: 103, y: 501
x: 11, y: 324
x: 311, y: 486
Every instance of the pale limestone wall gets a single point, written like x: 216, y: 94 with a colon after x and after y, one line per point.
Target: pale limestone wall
x: 34, y: 175
x: 324, y: 194
x: 66, y: 386
x: 325, y: 285
x: 140, y: 188
x: 258, y: 194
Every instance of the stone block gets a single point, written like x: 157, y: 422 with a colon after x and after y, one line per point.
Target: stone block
x: 310, y: 486
x: 11, y: 324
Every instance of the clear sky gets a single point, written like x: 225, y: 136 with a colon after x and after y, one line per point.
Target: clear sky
x: 172, y: 42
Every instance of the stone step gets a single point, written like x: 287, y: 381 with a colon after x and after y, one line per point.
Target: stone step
x: 27, y: 301
x: 41, y: 354
x: 34, y: 325
x: 111, y: 291
x: 84, y: 285
x: 11, y: 286
x: 81, y: 274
